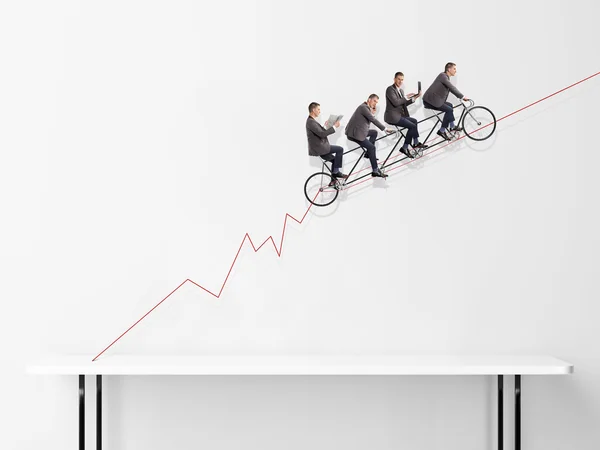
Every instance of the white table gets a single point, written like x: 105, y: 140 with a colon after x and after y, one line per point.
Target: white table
x: 302, y: 365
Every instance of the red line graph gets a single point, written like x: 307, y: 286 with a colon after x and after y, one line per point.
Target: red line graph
x: 279, y: 250
x: 246, y: 236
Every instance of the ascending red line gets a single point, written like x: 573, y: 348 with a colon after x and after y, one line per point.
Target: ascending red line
x: 353, y: 185
x: 278, y: 251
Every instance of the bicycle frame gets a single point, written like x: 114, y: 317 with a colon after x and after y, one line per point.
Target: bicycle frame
x: 399, y: 129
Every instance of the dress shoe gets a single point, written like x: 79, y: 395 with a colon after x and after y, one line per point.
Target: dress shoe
x: 421, y: 145
x: 378, y: 173
x: 340, y: 175
x: 406, y: 152
x: 444, y: 135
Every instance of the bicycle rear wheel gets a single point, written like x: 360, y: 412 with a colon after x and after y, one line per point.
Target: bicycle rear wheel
x: 321, y: 189
x: 479, y: 123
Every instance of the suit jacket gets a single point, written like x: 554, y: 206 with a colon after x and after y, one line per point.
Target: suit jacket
x: 437, y: 93
x: 396, y: 105
x: 358, y: 126
x: 317, y: 137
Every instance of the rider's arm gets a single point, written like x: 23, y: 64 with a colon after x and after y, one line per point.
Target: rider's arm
x: 395, y: 99
x: 446, y: 82
x: 367, y: 114
x: 317, y: 129
x: 371, y: 118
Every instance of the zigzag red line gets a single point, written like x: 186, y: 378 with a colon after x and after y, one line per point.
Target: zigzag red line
x: 256, y: 249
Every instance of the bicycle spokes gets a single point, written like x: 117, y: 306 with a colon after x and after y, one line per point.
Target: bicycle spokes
x: 479, y: 123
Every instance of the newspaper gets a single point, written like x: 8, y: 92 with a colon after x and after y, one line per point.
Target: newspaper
x: 333, y: 118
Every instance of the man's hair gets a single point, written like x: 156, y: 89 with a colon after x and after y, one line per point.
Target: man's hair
x: 398, y: 73
x: 372, y: 96
x: 449, y: 66
x: 312, y: 107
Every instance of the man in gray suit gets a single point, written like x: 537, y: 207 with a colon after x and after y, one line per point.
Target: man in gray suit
x: 318, y: 144
x: 396, y: 113
x: 435, y: 98
x: 358, y: 131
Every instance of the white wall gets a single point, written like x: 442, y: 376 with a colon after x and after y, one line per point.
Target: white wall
x: 141, y: 141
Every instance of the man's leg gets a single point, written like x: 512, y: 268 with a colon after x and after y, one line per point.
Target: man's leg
x: 415, y: 138
x: 412, y: 131
x: 452, y: 126
x: 337, y: 160
x: 369, y: 147
x: 372, y: 136
x: 448, y: 115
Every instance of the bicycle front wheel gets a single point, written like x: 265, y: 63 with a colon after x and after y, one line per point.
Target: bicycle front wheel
x: 479, y: 123
x: 321, y: 189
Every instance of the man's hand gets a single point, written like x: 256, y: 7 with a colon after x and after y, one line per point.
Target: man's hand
x: 388, y: 131
x: 327, y: 124
x: 465, y: 99
x: 337, y: 124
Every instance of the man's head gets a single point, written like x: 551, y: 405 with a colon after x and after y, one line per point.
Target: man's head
x: 398, y: 79
x: 372, y: 101
x: 314, y: 109
x: 450, y: 69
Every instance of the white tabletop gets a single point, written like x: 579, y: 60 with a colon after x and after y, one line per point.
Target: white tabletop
x: 302, y: 365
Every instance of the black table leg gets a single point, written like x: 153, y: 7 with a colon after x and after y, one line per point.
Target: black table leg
x: 500, y: 412
x: 517, y: 412
x: 98, y: 412
x: 81, y: 412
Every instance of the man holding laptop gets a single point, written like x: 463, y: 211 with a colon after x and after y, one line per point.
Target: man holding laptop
x: 318, y: 144
x: 396, y: 113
